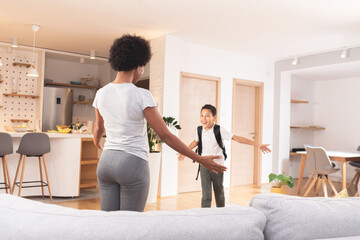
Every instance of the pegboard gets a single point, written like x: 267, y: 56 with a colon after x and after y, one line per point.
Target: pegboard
x: 16, y: 81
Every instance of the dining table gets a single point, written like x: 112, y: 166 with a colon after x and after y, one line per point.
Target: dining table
x: 336, y: 156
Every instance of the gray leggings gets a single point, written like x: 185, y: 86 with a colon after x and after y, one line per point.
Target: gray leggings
x: 124, y: 181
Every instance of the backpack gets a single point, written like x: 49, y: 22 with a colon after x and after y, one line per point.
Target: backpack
x: 218, y: 140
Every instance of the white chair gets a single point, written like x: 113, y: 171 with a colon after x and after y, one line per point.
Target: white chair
x: 319, y: 163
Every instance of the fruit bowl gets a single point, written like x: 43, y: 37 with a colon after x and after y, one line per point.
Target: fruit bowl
x: 63, y: 129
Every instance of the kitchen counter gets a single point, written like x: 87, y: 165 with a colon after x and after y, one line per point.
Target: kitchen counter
x: 63, y: 163
x: 55, y: 135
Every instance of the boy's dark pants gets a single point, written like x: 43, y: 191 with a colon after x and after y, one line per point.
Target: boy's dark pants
x: 207, y: 179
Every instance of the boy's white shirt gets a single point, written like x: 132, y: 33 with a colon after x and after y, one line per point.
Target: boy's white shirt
x: 122, y: 108
x: 210, y: 145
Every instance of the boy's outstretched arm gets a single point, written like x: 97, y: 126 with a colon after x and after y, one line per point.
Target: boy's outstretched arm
x: 263, y: 147
x: 191, y: 146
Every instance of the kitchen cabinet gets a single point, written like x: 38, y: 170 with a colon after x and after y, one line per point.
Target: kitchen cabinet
x: 88, y: 163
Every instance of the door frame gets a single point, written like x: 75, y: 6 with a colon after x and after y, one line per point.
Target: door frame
x: 259, y: 96
x: 218, y: 91
x: 208, y: 78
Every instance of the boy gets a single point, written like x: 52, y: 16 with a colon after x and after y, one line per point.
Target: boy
x: 210, y: 142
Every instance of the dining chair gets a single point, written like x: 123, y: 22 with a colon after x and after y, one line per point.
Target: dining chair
x: 355, y: 179
x: 321, y: 166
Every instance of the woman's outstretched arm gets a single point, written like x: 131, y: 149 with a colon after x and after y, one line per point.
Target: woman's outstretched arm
x: 155, y: 120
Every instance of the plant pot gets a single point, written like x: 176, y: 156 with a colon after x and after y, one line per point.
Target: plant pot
x: 154, y: 166
x: 278, y: 190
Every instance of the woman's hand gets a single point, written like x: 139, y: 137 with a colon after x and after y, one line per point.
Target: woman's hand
x: 209, y: 163
x: 264, y: 148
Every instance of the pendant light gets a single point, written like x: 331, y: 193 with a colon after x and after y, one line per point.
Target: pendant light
x: 14, y: 42
x: 33, y: 72
x: 92, y: 54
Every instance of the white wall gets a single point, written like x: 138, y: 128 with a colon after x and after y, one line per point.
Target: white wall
x: 283, y: 68
x: 302, y: 114
x: 66, y: 71
x: 337, y: 109
x: 183, y: 56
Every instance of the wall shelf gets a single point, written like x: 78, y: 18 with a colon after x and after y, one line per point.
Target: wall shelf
x: 70, y: 85
x: 88, y: 184
x: 19, y: 120
x: 89, y: 161
x: 19, y: 95
x: 21, y: 64
x: 1, y: 81
x: 308, y: 127
x: 81, y: 102
x: 298, y: 101
x: 1, y: 106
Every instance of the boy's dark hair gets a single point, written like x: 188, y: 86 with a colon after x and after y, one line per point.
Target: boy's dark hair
x: 129, y: 52
x: 211, y: 108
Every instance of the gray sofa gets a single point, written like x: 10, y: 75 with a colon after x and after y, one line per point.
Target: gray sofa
x: 269, y: 216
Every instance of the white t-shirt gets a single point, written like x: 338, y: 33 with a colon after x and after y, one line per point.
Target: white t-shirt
x: 122, y: 108
x: 210, y: 145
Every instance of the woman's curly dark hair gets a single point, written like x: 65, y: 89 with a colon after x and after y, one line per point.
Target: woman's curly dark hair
x: 129, y: 52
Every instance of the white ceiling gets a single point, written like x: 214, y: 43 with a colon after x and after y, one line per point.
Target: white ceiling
x: 271, y: 29
x: 329, y: 72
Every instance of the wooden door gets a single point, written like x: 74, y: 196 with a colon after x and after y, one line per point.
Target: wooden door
x: 245, y: 158
x: 195, y: 91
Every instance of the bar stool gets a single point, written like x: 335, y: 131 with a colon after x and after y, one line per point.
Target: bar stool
x: 33, y: 145
x: 6, y: 147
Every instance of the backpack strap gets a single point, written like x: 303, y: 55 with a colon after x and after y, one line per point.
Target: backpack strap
x: 199, y: 148
x: 219, y: 139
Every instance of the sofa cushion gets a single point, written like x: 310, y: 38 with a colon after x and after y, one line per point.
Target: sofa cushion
x: 26, y: 219
x: 290, y: 217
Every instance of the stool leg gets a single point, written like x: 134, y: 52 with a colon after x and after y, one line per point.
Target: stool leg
x: 332, y: 186
x: 352, y: 181
x: 22, y: 174
x: 47, y: 178
x: 5, y: 182
x: 8, y: 175
x: 41, y: 178
x: 17, y: 171
x: 318, y: 187
x: 324, y: 186
x: 309, y: 180
x: 311, y: 186
x: 356, y: 183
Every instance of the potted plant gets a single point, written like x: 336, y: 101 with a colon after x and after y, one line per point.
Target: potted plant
x: 280, y: 182
x: 155, y: 157
x: 153, y: 138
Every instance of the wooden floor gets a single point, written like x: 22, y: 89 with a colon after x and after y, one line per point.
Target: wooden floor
x: 236, y: 195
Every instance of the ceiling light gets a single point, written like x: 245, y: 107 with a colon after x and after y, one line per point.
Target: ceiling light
x: 344, y: 53
x: 92, y: 54
x: 0, y: 62
x: 33, y: 72
x: 82, y: 60
x: 295, y: 61
x: 14, y: 42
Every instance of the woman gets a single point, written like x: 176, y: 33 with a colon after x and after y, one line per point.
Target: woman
x: 122, y: 110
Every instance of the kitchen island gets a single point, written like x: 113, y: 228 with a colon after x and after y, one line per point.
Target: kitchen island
x: 69, y: 155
